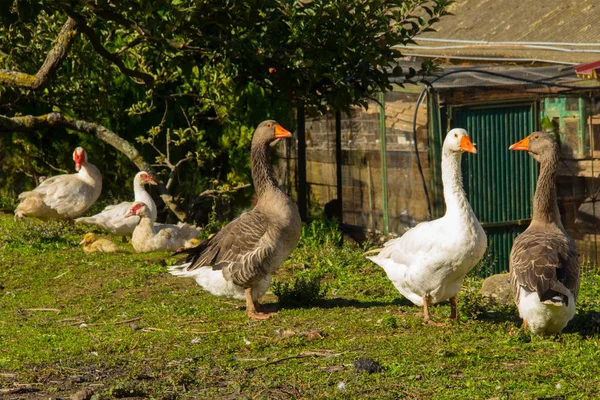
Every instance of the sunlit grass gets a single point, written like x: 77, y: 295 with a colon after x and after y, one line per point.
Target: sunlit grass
x: 122, y: 326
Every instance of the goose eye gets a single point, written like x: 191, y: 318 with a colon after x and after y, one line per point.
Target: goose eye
x: 269, y: 125
x: 456, y: 135
x: 536, y: 136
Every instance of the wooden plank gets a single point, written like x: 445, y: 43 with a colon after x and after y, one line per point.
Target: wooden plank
x: 579, y: 168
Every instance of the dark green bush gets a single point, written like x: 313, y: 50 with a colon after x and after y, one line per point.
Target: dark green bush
x: 301, y: 292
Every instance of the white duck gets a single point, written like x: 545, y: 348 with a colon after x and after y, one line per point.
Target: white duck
x: 148, y: 236
x: 429, y: 262
x: 63, y: 196
x: 544, y: 264
x: 112, y: 218
x: 239, y: 260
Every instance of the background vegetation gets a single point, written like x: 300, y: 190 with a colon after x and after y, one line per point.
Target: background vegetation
x: 183, y: 80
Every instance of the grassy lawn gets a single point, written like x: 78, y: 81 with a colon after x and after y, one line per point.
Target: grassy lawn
x: 121, y: 326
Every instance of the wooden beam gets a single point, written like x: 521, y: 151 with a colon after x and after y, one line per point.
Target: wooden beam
x: 581, y: 168
x: 302, y: 197
x: 338, y: 164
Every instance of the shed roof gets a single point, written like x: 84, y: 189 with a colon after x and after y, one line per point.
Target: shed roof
x: 563, y: 31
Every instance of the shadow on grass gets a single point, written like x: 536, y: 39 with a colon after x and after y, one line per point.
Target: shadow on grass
x: 339, y: 302
x: 585, y: 323
x: 483, y: 308
x: 500, y: 317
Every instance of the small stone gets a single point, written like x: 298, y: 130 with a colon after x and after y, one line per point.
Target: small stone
x: 195, y: 340
x: 134, y: 326
x: 78, y: 379
x: 341, y: 386
x: 313, y: 334
x: 83, y: 394
x: 367, y: 365
x: 498, y: 287
x: 285, y: 333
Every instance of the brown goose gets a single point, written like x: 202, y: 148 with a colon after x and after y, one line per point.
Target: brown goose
x: 544, y: 263
x: 239, y: 260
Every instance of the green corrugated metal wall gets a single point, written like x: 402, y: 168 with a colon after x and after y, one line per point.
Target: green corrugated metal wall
x: 499, y: 183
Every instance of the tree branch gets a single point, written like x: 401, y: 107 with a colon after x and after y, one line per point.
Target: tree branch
x: 118, y: 18
x: 215, y: 192
x: 29, y: 123
x: 129, y: 45
x: 95, y: 41
x: 54, y: 58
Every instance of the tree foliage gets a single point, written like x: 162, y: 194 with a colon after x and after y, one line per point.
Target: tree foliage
x: 186, y: 81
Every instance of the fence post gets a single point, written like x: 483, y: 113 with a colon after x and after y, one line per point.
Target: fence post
x: 302, y: 198
x: 382, y: 142
x: 338, y: 164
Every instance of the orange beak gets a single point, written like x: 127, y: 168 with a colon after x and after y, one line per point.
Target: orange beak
x: 466, y: 145
x: 520, y: 145
x: 281, y: 133
x: 129, y: 214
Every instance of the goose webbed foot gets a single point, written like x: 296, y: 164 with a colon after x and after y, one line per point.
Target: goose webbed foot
x: 426, y: 316
x: 253, y: 307
x: 258, y: 315
x: 433, y: 323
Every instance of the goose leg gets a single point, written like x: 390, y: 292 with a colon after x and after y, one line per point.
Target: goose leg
x: 253, y: 307
x: 525, y: 325
x: 453, y: 309
x: 426, y: 316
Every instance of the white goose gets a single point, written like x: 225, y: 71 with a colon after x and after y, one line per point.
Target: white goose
x: 429, y: 262
x: 63, y: 196
x: 112, y: 218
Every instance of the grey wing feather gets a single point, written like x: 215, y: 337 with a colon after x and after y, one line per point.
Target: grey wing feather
x: 545, y: 263
x: 241, y: 249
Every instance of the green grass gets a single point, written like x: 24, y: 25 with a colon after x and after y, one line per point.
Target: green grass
x: 62, y: 328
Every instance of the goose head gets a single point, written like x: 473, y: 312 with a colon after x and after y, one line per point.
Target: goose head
x: 80, y: 157
x: 268, y: 133
x: 88, y: 238
x: 140, y: 209
x: 538, y: 144
x: 457, y: 140
x: 143, y: 177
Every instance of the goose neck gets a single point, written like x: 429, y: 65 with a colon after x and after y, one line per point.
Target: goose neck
x: 262, y: 172
x: 140, y: 193
x: 545, y: 205
x: 454, y: 194
x: 138, y: 187
x: 146, y: 224
x: 89, y: 173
